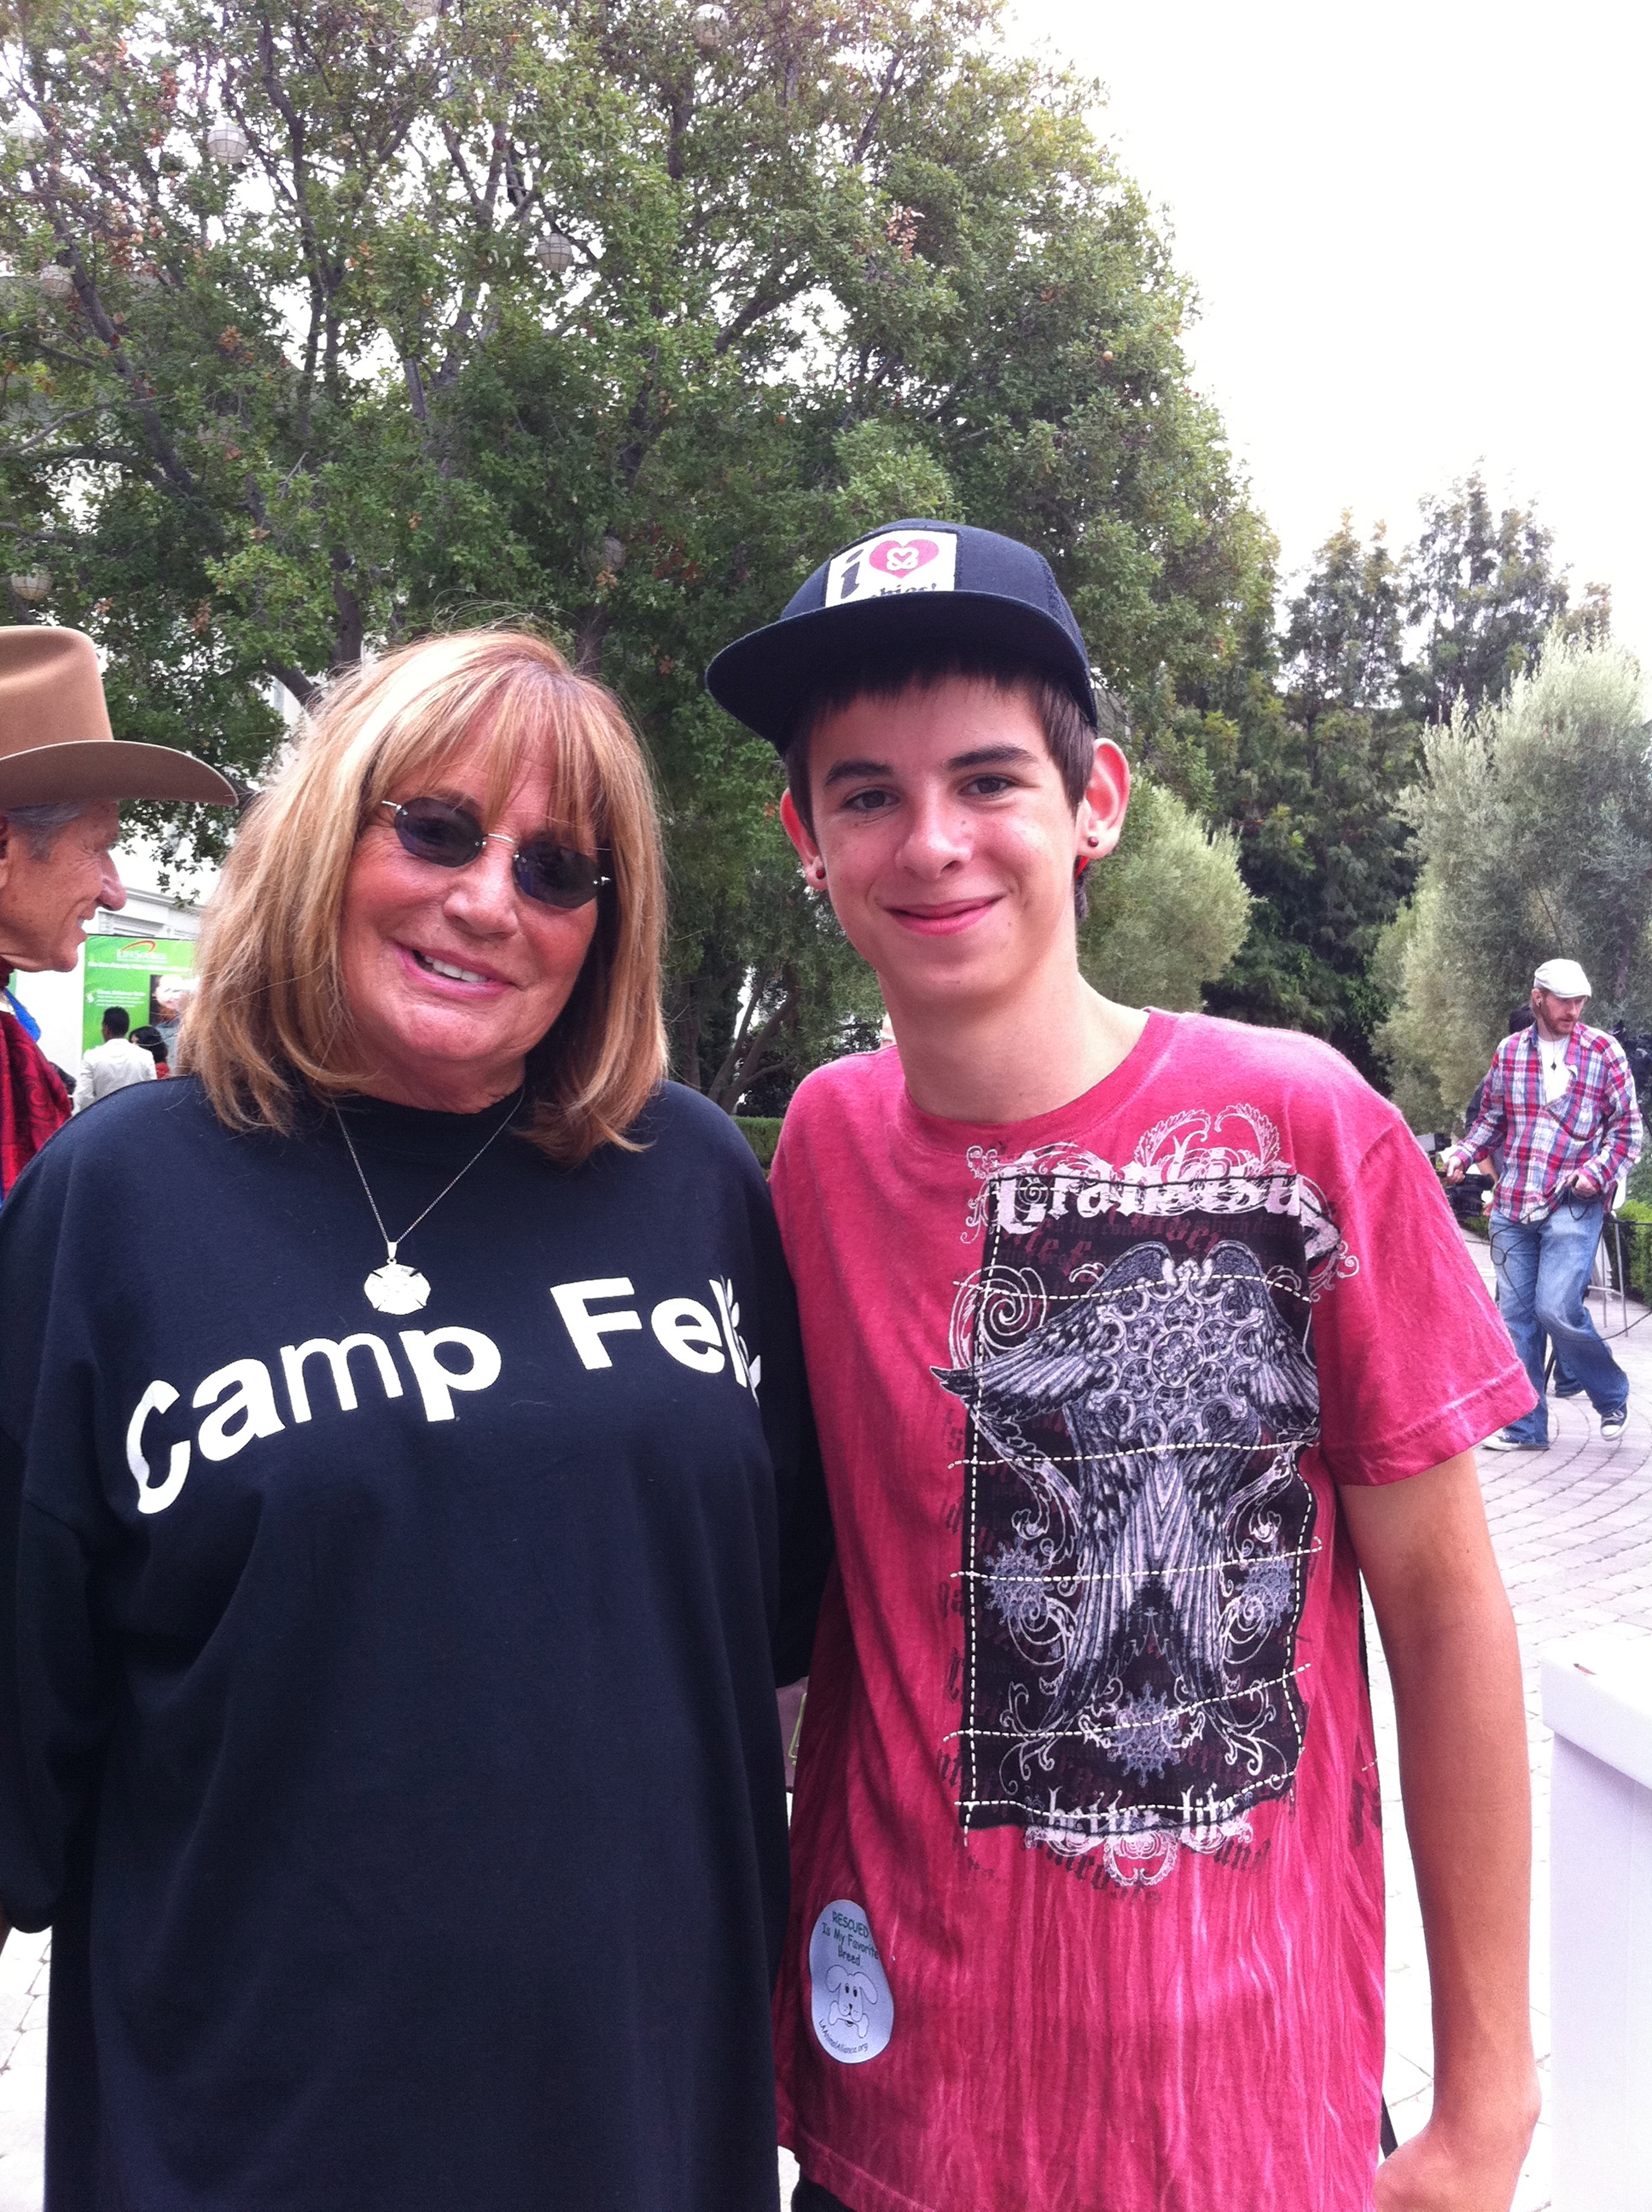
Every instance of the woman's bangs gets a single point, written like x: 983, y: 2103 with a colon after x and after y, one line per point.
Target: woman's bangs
x: 542, y: 712
x: 523, y: 714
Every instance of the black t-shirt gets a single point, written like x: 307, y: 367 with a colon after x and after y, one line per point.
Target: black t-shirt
x: 387, y: 1714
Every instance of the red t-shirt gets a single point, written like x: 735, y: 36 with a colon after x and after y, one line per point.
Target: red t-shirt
x: 1087, y: 1900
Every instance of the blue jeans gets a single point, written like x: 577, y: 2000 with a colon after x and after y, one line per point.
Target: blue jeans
x: 1542, y: 1269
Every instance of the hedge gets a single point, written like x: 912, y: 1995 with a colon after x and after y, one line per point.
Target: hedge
x: 762, y: 1133
x: 1636, y: 1226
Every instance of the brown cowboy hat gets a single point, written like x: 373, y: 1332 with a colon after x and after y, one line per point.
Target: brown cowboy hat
x: 55, y: 739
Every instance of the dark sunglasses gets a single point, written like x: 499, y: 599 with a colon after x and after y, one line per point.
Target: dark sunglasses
x: 450, y: 836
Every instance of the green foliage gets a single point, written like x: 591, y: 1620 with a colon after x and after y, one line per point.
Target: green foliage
x: 1325, y: 851
x: 1484, y: 592
x: 1431, y: 1040
x: 1534, y: 827
x: 1343, y: 644
x: 791, y: 993
x: 1635, y: 1226
x: 762, y: 1133
x: 1314, y: 770
x: 855, y: 260
x: 1168, y: 911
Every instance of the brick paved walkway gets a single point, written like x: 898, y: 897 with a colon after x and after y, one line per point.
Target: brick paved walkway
x: 1573, y: 1531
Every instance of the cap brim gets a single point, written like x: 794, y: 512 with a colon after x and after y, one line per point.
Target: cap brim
x: 104, y: 767
x: 764, y: 677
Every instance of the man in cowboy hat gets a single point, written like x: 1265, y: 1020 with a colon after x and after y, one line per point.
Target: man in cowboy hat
x: 62, y: 771
x: 1559, y: 1104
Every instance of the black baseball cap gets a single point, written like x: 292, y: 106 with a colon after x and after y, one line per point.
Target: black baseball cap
x: 909, y: 583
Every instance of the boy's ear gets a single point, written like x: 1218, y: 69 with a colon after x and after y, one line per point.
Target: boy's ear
x: 1106, y: 800
x: 797, y: 830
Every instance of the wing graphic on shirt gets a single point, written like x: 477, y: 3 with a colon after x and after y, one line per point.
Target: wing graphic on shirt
x: 1167, y: 1375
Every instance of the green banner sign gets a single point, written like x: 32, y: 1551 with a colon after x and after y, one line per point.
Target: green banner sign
x: 122, y: 971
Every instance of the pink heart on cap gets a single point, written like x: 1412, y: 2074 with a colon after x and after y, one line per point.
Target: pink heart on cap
x: 903, y: 556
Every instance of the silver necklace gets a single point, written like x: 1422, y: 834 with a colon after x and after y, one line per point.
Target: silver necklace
x: 395, y: 1288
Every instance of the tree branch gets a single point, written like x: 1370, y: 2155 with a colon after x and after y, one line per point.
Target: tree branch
x: 165, y: 453
x: 295, y: 681
x: 771, y: 293
x: 875, y: 115
x: 351, y: 629
x: 743, y: 1061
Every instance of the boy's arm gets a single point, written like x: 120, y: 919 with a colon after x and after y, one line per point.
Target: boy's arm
x: 1448, y: 1635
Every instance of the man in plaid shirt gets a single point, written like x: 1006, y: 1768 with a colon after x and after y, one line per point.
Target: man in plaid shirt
x: 1560, y: 1102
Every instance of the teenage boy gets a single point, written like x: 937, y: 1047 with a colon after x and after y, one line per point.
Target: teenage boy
x: 1134, y: 1337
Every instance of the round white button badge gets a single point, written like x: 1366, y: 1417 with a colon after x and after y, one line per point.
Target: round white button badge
x: 850, y: 2003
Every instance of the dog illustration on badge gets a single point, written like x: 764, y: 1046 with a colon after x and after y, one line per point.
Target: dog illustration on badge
x: 850, y: 2003
x: 855, y: 1997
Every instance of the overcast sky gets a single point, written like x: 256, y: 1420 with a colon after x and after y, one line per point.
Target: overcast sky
x: 1420, y: 237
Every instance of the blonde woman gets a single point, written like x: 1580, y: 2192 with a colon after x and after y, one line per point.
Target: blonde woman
x: 395, y: 1592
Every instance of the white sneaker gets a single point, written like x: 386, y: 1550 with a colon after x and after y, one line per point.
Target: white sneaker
x: 1506, y: 1440
x: 1611, y: 1424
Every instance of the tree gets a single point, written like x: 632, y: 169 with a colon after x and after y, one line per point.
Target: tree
x: 1318, y: 782
x: 1325, y: 853
x: 610, y: 312
x: 1168, y: 911
x: 1343, y: 646
x: 1311, y: 780
x: 1484, y: 593
x: 1430, y: 1037
x: 752, y: 1033
x: 1535, y: 828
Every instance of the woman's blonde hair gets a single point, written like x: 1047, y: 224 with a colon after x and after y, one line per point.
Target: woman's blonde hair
x: 268, y: 1020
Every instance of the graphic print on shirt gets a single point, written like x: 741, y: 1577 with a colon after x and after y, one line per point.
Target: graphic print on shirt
x: 1134, y: 1358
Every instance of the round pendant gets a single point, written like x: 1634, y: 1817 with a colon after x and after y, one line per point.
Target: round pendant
x: 395, y: 1289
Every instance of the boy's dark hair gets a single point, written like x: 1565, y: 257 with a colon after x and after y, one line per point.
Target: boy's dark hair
x: 1068, y: 731
x: 116, y: 1022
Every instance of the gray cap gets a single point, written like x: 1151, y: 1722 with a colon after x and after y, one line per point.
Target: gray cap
x: 1564, y: 977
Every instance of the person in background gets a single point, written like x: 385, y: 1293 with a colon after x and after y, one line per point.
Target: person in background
x: 61, y: 772
x: 1474, y: 1194
x: 170, y: 994
x: 406, y: 1538
x: 149, y: 1039
x: 1558, y: 1103
x: 112, y: 1064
